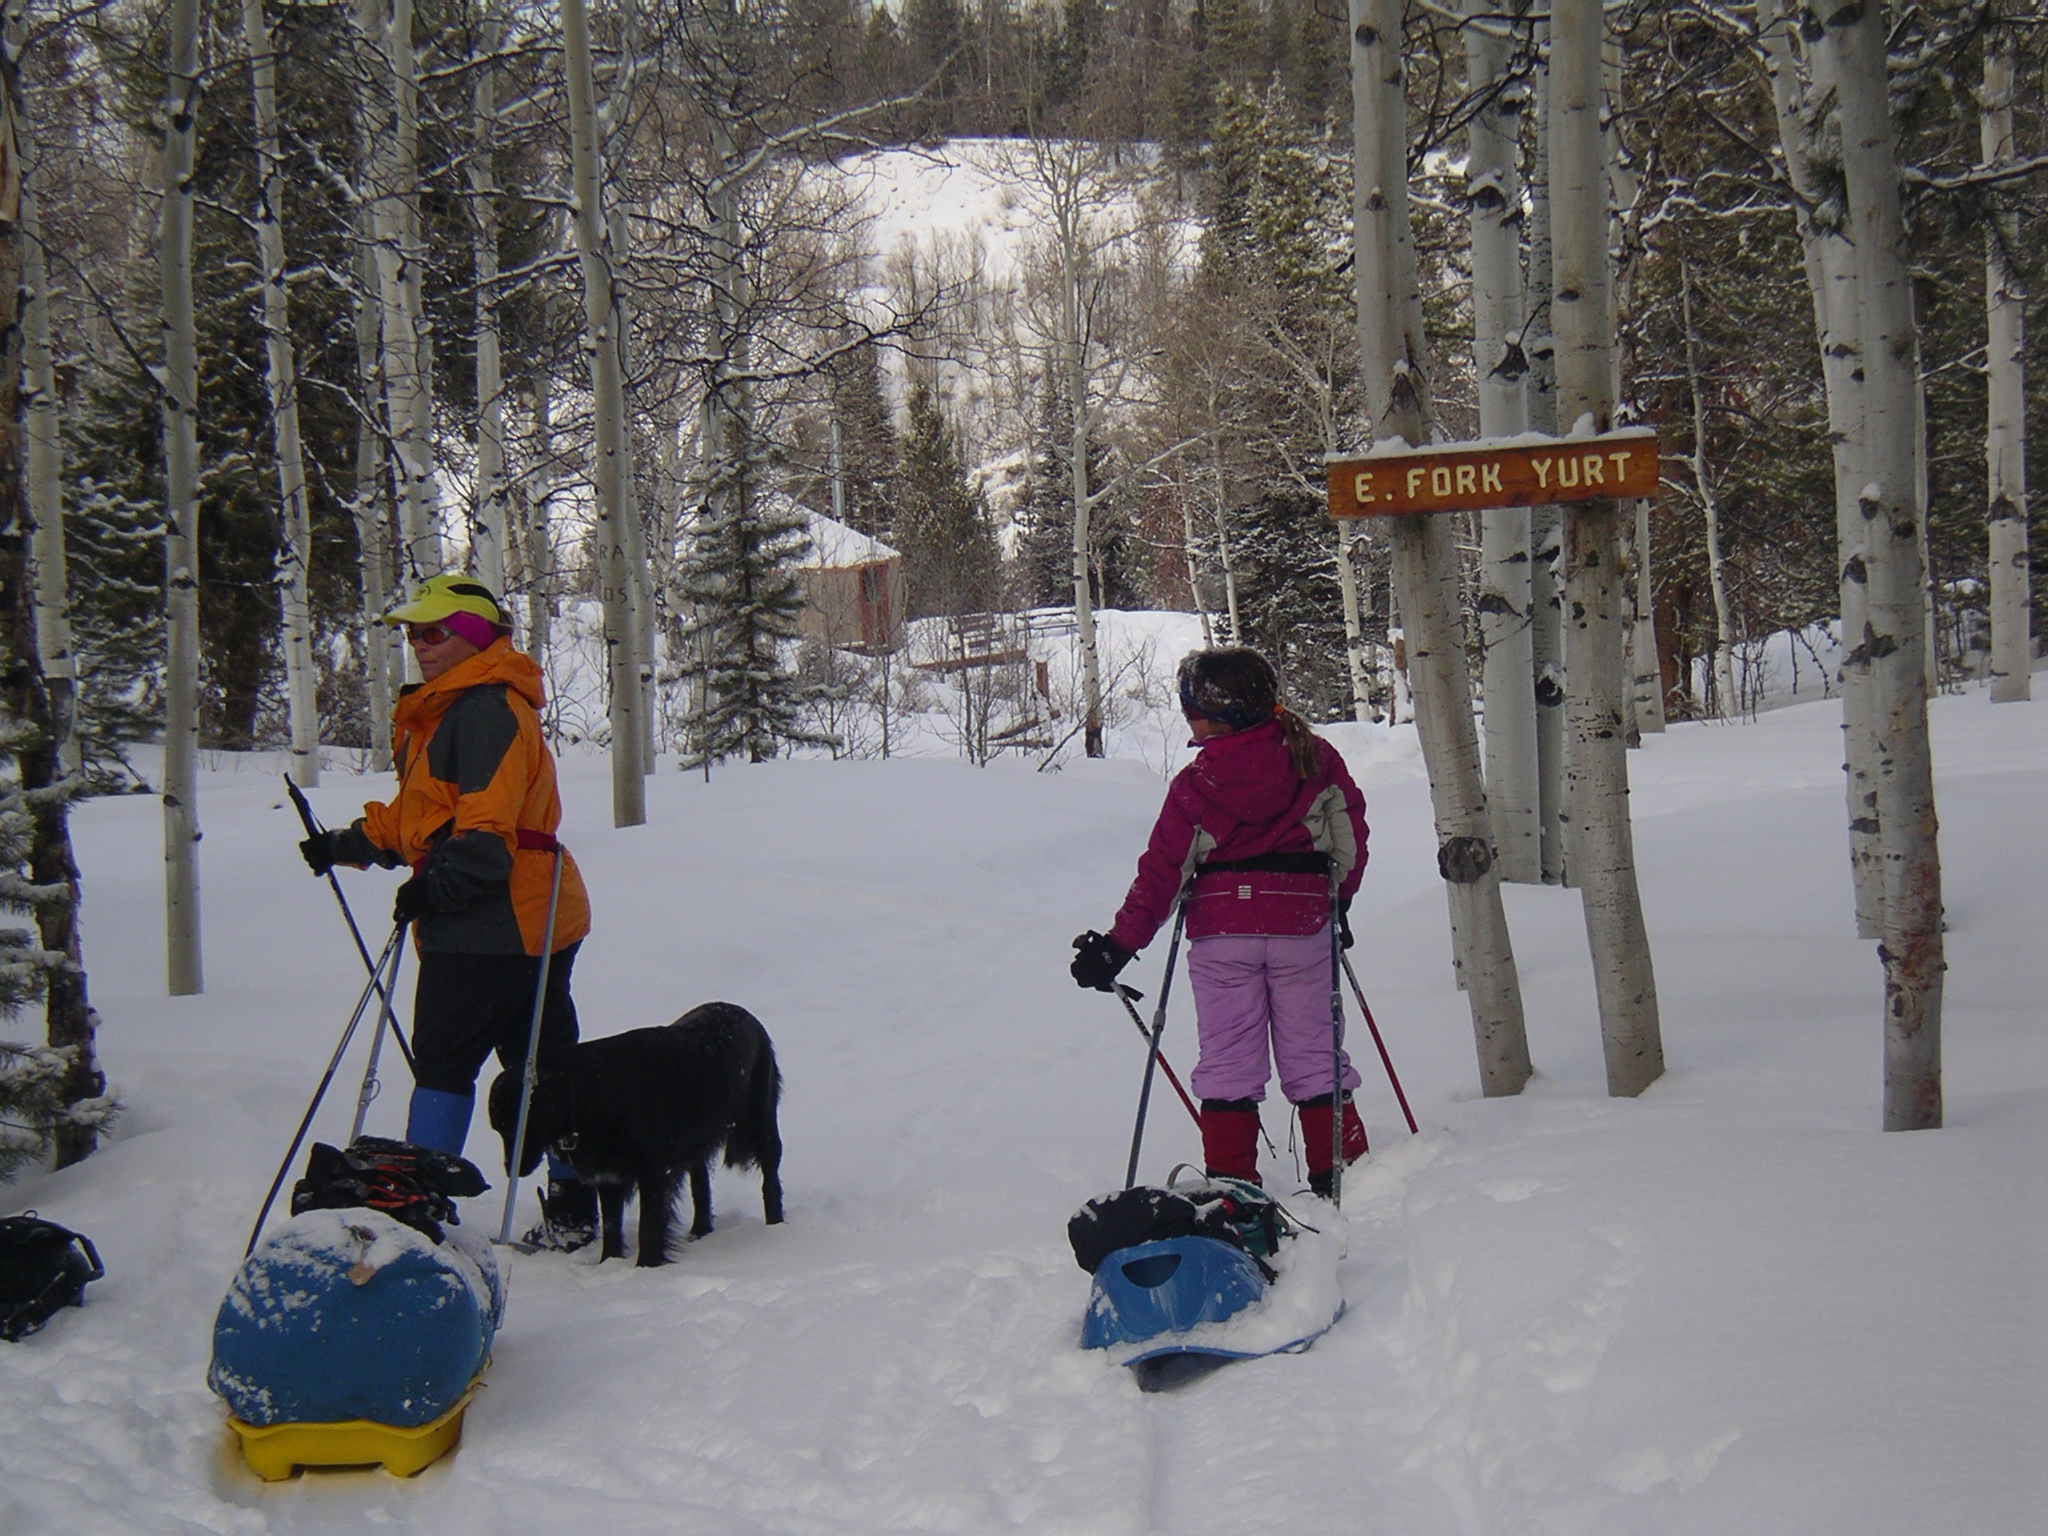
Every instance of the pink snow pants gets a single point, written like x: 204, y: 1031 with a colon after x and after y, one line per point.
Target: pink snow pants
x: 1251, y: 989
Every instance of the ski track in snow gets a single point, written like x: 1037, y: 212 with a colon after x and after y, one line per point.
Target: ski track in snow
x: 1730, y: 1305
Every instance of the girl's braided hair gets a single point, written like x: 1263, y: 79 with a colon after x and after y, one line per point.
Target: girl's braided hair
x: 1236, y: 686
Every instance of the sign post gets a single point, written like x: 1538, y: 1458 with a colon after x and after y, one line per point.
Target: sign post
x: 1517, y: 472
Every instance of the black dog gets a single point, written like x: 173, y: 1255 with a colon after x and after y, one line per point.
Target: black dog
x: 643, y: 1108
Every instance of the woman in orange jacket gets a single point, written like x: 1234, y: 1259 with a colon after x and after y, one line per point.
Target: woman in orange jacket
x: 474, y: 819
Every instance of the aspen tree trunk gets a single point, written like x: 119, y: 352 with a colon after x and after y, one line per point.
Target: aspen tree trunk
x: 1068, y: 233
x: 1895, y: 631
x: 614, y: 122
x: 638, y: 566
x: 2005, y: 443
x: 1602, y: 843
x: 611, y: 456
x: 184, y: 973
x: 372, y: 519
x: 1494, y: 198
x: 1392, y: 348
x: 1223, y: 556
x: 407, y: 344
x: 295, y: 522
x: 540, y: 487
x: 1187, y: 550
x: 51, y: 593
x: 1725, y: 701
x: 1354, y: 626
x: 1645, y: 675
x: 488, y: 535
x: 1546, y: 525
x: 1831, y: 276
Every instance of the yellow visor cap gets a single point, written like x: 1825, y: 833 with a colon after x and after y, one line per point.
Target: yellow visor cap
x: 441, y: 596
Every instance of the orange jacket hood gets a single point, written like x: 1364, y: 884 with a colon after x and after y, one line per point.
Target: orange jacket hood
x: 421, y: 704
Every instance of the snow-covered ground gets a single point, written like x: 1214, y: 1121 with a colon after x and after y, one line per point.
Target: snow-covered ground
x: 1730, y: 1306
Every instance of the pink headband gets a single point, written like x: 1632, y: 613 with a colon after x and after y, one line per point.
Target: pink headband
x: 473, y: 627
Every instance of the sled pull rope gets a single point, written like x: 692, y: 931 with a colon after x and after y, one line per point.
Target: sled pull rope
x: 531, y: 1074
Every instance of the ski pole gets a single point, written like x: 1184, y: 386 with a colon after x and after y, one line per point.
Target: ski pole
x: 1385, y: 1060
x: 314, y: 829
x: 319, y: 1093
x: 531, y: 1073
x: 369, y: 1089
x: 1152, y: 1056
x: 1124, y: 995
x: 1336, y: 1044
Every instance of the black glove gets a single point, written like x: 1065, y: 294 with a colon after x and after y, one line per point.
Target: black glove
x: 1344, y: 922
x: 1097, y: 959
x: 412, y: 901
x: 320, y: 851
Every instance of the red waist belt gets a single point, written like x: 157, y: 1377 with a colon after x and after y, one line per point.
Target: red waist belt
x: 528, y: 839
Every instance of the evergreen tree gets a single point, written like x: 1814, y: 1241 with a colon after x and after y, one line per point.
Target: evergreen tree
x: 740, y: 579
x: 950, y: 561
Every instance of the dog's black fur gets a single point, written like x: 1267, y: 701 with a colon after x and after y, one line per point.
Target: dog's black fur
x: 643, y: 1108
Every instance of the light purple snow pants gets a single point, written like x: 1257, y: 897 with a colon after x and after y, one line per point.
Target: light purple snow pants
x: 1252, y: 987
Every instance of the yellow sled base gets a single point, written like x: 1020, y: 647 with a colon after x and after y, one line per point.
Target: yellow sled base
x: 275, y: 1451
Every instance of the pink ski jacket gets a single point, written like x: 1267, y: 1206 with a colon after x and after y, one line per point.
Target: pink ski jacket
x: 1241, y: 800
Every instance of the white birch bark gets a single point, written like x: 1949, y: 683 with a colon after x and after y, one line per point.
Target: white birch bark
x: 1354, y: 626
x: 1895, y: 631
x: 184, y: 971
x: 401, y: 258
x: 638, y: 566
x: 1602, y: 846
x: 1546, y: 526
x: 2005, y: 441
x: 1831, y: 276
x: 1726, y: 703
x: 1392, y: 350
x: 539, y: 547
x: 45, y: 490
x: 611, y: 456
x: 1507, y: 679
x: 369, y: 508
x: 488, y: 532
x: 1061, y: 175
x: 1645, y: 678
x: 295, y: 522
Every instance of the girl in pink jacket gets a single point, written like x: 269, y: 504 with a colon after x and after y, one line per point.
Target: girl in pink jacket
x: 1250, y: 832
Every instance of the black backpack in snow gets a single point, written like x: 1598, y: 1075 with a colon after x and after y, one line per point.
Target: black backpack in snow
x: 1236, y: 1212
x: 42, y: 1267
x: 409, y: 1183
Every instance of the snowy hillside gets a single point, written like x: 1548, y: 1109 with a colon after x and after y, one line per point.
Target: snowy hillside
x: 1730, y: 1306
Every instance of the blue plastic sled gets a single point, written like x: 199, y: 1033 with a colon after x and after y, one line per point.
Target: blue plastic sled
x: 1166, y: 1291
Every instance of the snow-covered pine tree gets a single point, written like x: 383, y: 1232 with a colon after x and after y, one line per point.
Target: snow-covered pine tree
x: 53, y: 1099
x: 739, y: 578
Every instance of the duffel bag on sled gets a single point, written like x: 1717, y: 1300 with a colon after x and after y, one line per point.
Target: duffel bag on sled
x: 355, y: 1333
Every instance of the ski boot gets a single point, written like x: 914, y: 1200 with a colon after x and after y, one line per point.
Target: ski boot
x: 568, y: 1214
x: 1315, y: 1140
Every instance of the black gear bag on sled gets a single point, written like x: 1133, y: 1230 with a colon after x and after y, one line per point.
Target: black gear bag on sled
x: 42, y: 1267
x: 1240, y: 1214
x: 413, y: 1184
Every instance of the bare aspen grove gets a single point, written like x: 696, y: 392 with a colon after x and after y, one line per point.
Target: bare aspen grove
x: 1009, y: 313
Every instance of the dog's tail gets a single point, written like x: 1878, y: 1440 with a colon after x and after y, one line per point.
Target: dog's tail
x: 757, y: 1138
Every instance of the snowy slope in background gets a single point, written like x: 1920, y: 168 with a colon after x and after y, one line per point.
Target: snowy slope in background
x: 1731, y: 1305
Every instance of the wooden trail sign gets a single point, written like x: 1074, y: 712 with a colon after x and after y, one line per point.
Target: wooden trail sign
x: 1474, y: 477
